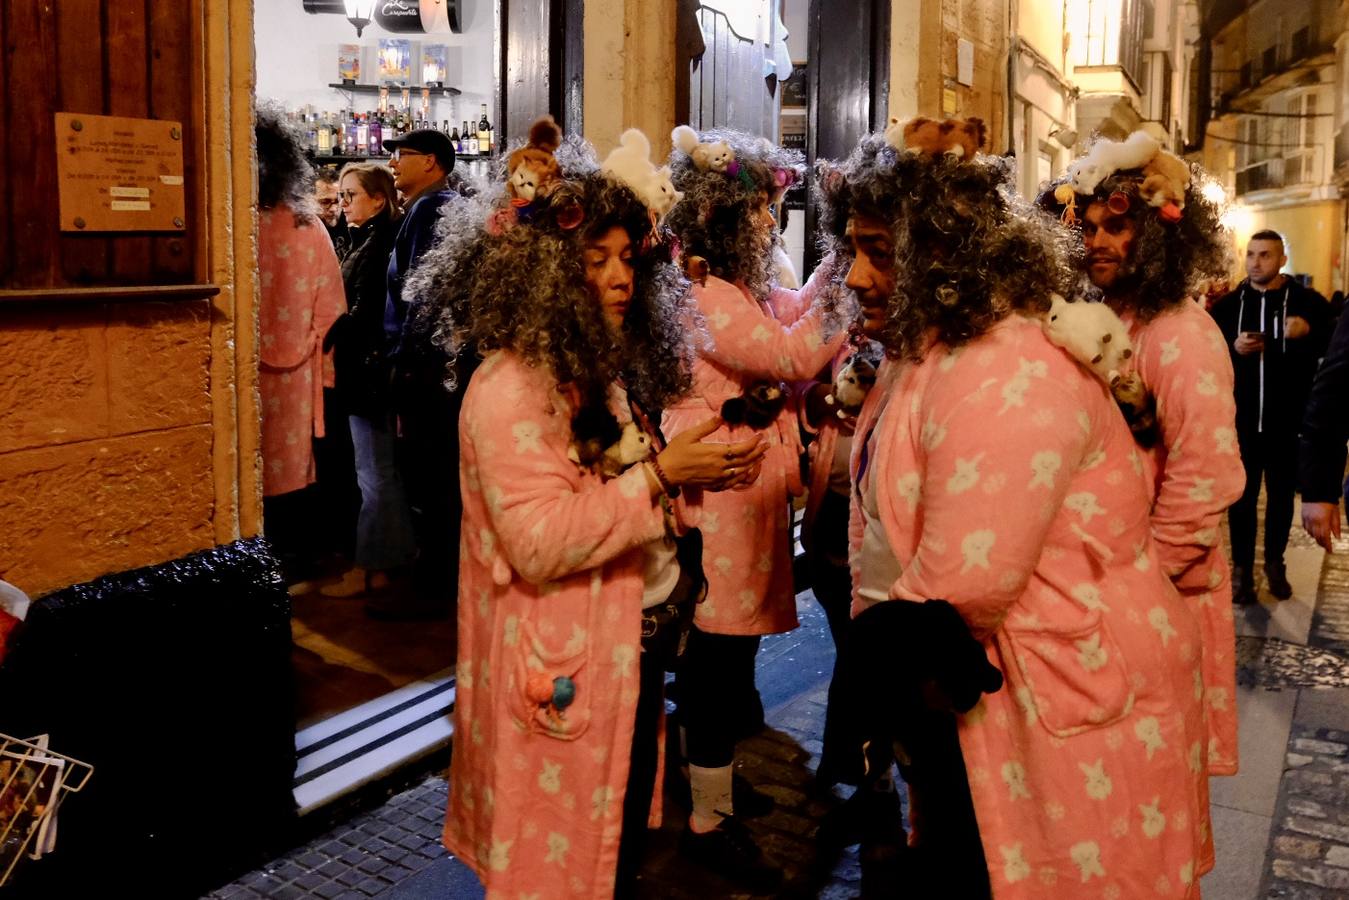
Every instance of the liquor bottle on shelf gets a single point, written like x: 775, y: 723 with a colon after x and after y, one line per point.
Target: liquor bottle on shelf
x: 454, y: 139
x: 484, y: 133
x: 325, y: 137
x: 470, y: 142
x: 362, y: 135
x: 350, y: 138
x: 376, y: 137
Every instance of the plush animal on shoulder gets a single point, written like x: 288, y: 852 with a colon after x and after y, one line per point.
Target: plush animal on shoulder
x: 758, y: 407
x: 708, y: 157
x: 1093, y: 335
x: 630, y: 163
x: 961, y: 138
x: 1107, y: 157
x: 533, y: 168
x: 632, y: 447
x: 696, y: 269
x: 853, y: 382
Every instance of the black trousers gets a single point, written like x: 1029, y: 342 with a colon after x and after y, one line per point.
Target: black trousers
x: 428, y: 460
x: 290, y: 522
x: 718, y: 703
x: 832, y: 585
x: 1273, y: 456
x: 641, y: 776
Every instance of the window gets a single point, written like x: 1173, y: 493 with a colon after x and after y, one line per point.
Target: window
x: 1109, y: 33
x: 1269, y: 60
x: 1301, y: 43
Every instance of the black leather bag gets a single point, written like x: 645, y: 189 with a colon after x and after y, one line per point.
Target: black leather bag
x: 665, y: 626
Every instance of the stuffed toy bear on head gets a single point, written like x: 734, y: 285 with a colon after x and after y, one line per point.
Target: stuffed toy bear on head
x: 758, y: 407
x: 1166, y: 177
x: 708, y: 157
x: 630, y: 163
x: 533, y: 168
x: 962, y: 138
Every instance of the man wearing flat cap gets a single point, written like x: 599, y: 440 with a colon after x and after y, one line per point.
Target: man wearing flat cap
x: 422, y: 161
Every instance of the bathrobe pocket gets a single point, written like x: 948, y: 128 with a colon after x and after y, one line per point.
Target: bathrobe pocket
x: 550, y: 691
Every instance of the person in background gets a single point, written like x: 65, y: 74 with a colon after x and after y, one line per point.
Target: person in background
x: 300, y: 299
x: 992, y: 470
x: 330, y: 208
x: 1276, y: 331
x: 1325, y: 429
x: 385, y: 542
x: 1145, y: 262
x: 427, y: 414
x: 579, y: 318
x: 763, y: 338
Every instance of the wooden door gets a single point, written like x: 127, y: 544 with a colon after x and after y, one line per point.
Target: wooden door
x: 541, y: 65
x: 736, y: 61
x: 847, y: 84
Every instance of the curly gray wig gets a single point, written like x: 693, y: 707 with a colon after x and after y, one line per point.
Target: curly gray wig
x: 1170, y: 259
x: 714, y: 218
x: 490, y: 284
x: 284, y: 174
x: 967, y: 251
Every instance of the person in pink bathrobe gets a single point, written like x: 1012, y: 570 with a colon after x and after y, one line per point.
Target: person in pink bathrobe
x: 760, y: 340
x: 571, y: 503
x: 1145, y: 267
x: 993, y: 471
x: 300, y: 298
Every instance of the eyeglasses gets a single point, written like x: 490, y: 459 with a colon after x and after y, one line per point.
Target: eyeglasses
x: 347, y: 196
x: 400, y: 152
x: 328, y: 201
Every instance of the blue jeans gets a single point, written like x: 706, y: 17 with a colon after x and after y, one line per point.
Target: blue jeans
x: 384, y: 536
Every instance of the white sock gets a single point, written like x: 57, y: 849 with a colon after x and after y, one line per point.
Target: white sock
x: 711, y: 797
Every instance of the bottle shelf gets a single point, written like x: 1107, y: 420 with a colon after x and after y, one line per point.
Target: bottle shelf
x: 359, y: 88
x: 383, y: 157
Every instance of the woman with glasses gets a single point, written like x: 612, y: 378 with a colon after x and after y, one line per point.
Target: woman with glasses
x: 384, y: 538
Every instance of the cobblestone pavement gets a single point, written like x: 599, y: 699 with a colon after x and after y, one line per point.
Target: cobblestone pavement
x: 393, y: 850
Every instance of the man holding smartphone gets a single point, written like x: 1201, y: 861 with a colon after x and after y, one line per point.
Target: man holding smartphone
x: 1276, y: 330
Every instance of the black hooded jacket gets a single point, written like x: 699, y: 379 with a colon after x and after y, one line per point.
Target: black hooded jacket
x: 1325, y: 427
x: 1272, y: 386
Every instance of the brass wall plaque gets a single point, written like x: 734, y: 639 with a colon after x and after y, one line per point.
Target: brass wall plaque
x: 119, y: 174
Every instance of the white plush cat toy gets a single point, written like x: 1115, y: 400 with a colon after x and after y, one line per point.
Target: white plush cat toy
x: 708, y: 157
x: 630, y: 163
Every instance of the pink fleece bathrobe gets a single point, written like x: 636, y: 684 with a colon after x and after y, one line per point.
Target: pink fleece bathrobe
x: 1009, y: 485
x: 301, y: 296
x: 1182, y: 358
x: 550, y: 581
x: 747, y: 556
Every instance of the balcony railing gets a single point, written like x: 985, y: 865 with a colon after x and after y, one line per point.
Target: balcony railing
x: 1258, y: 178
x: 1342, y: 148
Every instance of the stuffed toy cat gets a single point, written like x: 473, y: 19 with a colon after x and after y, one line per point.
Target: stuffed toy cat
x: 758, y: 407
x: 1106, y: 157
x: 632, y: 447
x: 533, y: 168
x: 853, y: 382
x: 961, y: 138
x: 630, y: 163
x: 708, y: 157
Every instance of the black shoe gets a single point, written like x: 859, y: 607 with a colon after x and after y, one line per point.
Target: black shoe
x: 747, y: 801
x: 865, y: 817
x: 1276, y: 574
x: 729, y: 851
x: 1243, y: 591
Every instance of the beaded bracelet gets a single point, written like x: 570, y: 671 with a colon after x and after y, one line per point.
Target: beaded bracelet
x: 670, y: 490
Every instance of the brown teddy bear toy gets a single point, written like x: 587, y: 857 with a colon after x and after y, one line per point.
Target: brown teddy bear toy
x: 533, y: 168
x: 1165, y: 179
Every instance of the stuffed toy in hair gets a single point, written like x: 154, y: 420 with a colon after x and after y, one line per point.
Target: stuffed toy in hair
x: 696, y: 269
x: 633, y: 446
x: 1106, y: 157
x: 758, y: 407
x: 961, y: 138
x: 630, y: 163
x: 1165, y: 180
x: 533, y: 168
x: 708, y: 157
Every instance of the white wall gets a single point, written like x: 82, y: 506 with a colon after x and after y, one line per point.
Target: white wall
x: 794, y: 17
x: 297, y: 59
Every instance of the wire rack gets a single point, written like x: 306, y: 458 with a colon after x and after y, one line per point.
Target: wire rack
x: 33, y: 782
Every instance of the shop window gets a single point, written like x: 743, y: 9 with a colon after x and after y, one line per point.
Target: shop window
x: 1300, y: 44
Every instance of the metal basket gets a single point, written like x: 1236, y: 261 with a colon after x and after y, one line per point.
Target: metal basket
x: 33, y: 782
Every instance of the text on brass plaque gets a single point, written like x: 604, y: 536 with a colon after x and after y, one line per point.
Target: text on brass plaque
x: 119, y: 174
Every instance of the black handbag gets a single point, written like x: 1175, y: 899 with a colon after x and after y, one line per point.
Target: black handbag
x: 665, y: 626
